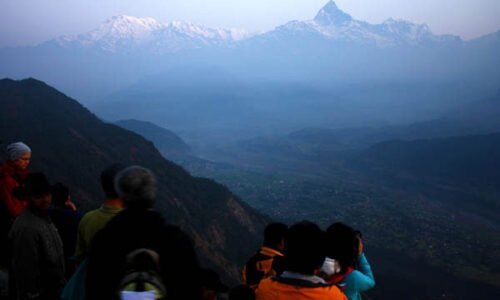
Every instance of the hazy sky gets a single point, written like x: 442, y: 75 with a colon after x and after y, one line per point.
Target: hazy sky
x: 24, y: 22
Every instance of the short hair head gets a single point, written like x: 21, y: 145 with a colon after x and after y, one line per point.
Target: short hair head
x: 342, y: 244
x: 60, y: 194
x: 16, y: 150
x: 108, y: 179
x: 136, y: 185
x: 274, y: 234
x: 305, y: 250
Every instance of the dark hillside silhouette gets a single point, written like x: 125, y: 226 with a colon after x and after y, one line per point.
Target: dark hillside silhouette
x: 73, y: 146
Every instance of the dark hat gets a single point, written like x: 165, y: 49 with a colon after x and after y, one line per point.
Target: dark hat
x: 211, y: 280
x: 36, y: 184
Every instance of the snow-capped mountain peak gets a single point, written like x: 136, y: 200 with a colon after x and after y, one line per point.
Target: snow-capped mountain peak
x: 130, y: 33
x: 332, y: 24
x: 405, y: 31
x: 130, y: 21
x: 405, y: 27
x: 126, y: 27
x: 206, y: 32
x: 330, y: 14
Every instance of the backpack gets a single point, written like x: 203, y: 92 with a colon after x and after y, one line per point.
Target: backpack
x: 142, y: 279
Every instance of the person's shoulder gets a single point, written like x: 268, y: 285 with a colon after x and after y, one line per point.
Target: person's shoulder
x: 4, y: 169
x: 89, y: 215
x: 7, y: 178
x: 267, y: 283
x: 146, y: 217
x: 176, y: 240
x: 26, y: 217
x: 335, y: 292
x: 175, y: 232
x: 356, y: 278
x: 325, y: 291
x: 27, y: 223
x: 7, y: 172
x: 130, y: 220
x: 155, y: 216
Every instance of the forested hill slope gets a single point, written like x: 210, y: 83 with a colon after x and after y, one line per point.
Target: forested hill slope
x: 73, y: 146
x: 463, y: 171
x: 466, y: 159
x: 167, y: 142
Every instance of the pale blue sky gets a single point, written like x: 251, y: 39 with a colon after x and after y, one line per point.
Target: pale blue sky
x: 24, y: 22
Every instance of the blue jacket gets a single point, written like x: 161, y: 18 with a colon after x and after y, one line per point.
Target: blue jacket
x: 359, y: 280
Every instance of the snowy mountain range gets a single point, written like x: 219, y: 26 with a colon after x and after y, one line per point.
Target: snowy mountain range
x: 129, y: 34
x: 331, y: 23
x: 331, y: 48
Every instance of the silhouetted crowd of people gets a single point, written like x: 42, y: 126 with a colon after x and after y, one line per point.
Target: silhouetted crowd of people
x: 126, y: 250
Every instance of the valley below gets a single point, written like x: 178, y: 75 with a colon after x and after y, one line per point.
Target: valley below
x: 441, y: 238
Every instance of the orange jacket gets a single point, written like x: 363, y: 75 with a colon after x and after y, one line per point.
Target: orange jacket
x: 281, y: 289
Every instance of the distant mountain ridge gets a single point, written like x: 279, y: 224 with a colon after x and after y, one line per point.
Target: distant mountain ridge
x: 124, y: 33
x: 333, y: 24
x: 332, y: 71
x: 129, y: 34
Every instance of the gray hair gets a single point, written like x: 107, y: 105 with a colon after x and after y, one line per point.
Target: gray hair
x: 136, y: 185
x: 16, y: 150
